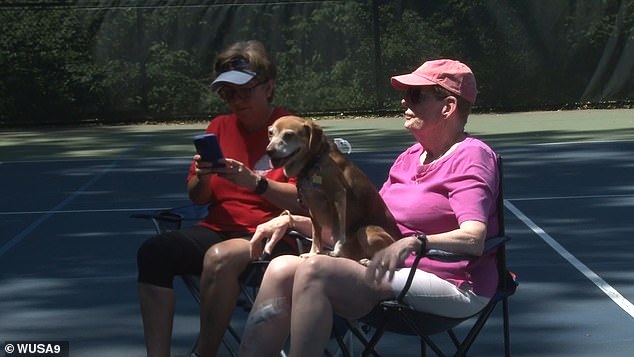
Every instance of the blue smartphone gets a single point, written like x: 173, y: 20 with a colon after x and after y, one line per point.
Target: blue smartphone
x: 208, y: 148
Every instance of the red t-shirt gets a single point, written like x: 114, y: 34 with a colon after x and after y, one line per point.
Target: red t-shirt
x: 234, y: 208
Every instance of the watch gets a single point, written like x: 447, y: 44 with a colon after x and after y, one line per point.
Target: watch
x: 422, y: 238
x: 261, y: 185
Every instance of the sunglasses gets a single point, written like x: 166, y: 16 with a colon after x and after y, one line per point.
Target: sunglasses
x: 229, y: 93
x: 415, y: 95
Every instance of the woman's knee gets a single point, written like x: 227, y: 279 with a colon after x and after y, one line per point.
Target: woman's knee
x: 153, y: 257
x: 227, y: 256
x: 315, y: 269
x: 283, y: 268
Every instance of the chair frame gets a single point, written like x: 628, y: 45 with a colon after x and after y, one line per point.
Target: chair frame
x: 399, y: 317
x: 172, y: 219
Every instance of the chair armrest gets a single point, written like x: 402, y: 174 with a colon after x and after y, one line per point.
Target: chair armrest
x: 490, y: 245
x: 192, y: 212
x: 297, y: 235
x: 494, y: 242
x: 162, y: 221
x: 173, y: 218
x: 301, y: 240
x: 445, y: 256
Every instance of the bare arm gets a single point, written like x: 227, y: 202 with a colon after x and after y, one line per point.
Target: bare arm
x: 199, y: 189
x: 269, y: 233
x: 468, y: 240
x: 281, y: 194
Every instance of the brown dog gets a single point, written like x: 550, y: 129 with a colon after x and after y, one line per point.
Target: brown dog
x: 342, y: 201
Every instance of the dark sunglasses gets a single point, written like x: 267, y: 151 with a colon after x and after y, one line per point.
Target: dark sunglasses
x: 415, y: 95
x: 228, y: 93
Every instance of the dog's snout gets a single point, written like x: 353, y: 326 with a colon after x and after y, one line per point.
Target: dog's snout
x: 270, y: 148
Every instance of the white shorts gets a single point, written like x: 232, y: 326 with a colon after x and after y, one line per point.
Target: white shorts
x: 429, y: 293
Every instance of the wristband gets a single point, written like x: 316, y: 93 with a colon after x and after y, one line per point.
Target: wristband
x: 261, y: 185
x: 291, y: 221
x: 422, y: 238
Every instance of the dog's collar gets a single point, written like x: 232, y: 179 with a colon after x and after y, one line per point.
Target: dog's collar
x: 313, y: 173
x: 315, y: 180
x: 314, y: 163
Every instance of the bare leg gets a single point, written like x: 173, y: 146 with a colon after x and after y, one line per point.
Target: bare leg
x: 157, y: 309
x: 219, y: 290
x: 325, y: 285
x: 269, y: 321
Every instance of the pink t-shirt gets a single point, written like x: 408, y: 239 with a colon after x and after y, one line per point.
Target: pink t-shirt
x: 438, y: 197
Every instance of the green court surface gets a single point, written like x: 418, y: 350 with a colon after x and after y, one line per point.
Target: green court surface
x: 365, y: 134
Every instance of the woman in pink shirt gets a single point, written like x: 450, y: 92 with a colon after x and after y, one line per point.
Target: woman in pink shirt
x: 442, y: 192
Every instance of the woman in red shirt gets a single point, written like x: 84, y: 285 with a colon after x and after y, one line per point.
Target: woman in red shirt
x: 245, y: 192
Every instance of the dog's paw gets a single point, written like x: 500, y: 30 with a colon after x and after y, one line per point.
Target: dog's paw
x: 364, y: 262
x: 337, y: 250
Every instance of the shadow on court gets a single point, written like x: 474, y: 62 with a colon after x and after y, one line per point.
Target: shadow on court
x: 68, y: 246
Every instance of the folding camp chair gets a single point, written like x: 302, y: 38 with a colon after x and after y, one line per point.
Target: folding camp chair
x: 173, y: 219
x: 399, y: 317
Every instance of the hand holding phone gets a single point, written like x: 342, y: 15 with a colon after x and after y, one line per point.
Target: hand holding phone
x: 208, y: 148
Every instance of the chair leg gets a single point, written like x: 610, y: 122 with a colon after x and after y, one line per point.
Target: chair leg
x: 193, y: 349
x: 235, y: 337
x: 454, y: 338
x: 426, y: 341
x: 423, y: 348
x: 507, y: 332
x: 473, y: 333
x: 360, y: 334
x: 343, y: 347
x: 434, y: 347
x: 369, y: 347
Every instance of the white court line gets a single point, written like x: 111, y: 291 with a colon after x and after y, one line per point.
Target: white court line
x: 47, y: 214
x: 142, y: 209
x: 556, y: 143
x: 548, y: 198
x: 597, y: 280
x: 94, y: 159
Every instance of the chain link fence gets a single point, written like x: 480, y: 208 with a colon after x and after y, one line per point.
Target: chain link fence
x: 72, y: 61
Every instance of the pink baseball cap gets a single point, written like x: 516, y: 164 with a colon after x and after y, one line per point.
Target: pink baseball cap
x: 452, y: 75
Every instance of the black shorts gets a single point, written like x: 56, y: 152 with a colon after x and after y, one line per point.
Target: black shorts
x: 181, y: 252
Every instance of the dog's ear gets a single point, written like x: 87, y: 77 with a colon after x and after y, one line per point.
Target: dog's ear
x: 315, y: 136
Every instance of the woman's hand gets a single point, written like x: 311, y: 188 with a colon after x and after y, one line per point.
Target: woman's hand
x: 387, y: 260
x: 234, y: 171
x: 268, y: 234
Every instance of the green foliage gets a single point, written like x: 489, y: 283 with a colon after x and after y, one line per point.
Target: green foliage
x: 328, y: 59
x: 172, y: 74
x: 66, y: 60
x: 42, y: 64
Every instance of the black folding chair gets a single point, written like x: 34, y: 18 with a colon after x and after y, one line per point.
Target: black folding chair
x: 173, y: 219
x: 399, y: 317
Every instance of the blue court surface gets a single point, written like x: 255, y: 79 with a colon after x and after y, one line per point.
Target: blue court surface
x: 68, y: 246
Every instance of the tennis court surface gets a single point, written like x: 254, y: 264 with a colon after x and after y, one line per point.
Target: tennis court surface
x: 68, y: 246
